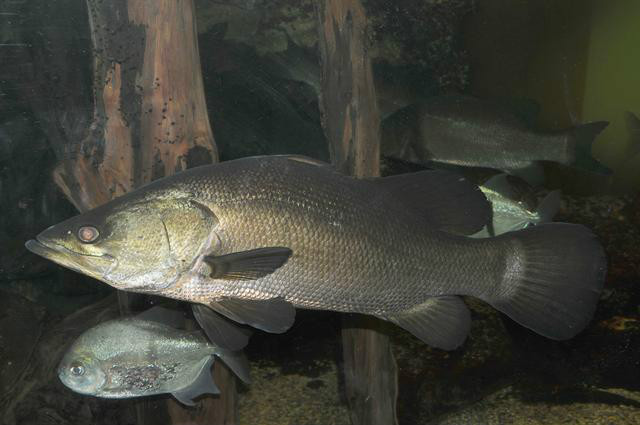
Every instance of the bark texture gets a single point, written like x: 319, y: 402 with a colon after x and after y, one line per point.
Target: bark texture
x: 352, y: 124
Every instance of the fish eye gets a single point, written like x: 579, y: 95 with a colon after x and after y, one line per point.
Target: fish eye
x: 76, y: 369
x: 88, y: 234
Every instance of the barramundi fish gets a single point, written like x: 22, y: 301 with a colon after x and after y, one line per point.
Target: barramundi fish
x: 145, y: 355
x: 514, y: 205
x: 467, y: 131
x: 256, y: 238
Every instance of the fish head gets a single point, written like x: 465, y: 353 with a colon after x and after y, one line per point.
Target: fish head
x: 81, y: 372
x: 141, y: 244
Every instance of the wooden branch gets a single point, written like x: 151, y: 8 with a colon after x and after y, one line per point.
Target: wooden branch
x: 352, y: 125
x: 149, y: 121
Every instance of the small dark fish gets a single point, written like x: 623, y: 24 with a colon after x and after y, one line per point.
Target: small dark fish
x: 255, y: 238
x: 515, y: 206
x: 143, y: 356
x: 466, y: 131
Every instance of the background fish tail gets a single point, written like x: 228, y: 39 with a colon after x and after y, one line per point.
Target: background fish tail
x: 582, y: 137
x: 552, y: 279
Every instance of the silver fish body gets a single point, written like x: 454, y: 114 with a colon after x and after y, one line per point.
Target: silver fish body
x: 133, y: 357
x: 467, y: 131
x: 253, y: 238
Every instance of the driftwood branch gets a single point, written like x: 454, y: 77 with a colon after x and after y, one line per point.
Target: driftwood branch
x: 149, y: 120
x: 352, y: 124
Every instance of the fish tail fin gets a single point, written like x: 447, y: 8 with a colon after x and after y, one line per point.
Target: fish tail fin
x: 582, y: 137
x: 549, y: 206
x: 553, y: 277
x: 237, y: 362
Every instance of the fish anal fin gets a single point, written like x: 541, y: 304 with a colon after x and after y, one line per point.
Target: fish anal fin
x: 203, y: 384
x: 247, y: 265
x: 274, y: 315
x: 441, y: 322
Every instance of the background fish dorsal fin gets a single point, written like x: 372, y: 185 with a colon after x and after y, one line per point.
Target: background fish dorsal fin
x: 203, y: 384
x: 446, y: 200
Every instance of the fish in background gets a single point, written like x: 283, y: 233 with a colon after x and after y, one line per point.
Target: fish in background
x: 145, y: 355
x: 466, y: 131
x: 302, y: 65
x: 515, y: 205
x: 255, y: 238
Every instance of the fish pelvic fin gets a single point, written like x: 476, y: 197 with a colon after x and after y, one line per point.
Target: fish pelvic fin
x: 582, y: 137
x: 552, y: 280
x: 222, y: 332
x: 442, y: 322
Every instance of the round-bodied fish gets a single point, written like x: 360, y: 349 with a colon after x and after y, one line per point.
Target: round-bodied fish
x: 142, y: 356
x: 255, y: 238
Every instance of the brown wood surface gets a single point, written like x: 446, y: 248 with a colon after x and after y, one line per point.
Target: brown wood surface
x: 149, y: 121
x: 352, y: 124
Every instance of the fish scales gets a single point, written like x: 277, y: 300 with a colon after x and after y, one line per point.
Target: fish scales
x: 354, y: 249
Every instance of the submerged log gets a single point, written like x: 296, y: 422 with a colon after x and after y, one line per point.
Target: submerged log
x: 352, y: 124
x: 149, y: 121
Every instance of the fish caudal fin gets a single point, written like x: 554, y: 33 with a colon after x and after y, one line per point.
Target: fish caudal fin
x: 583, y: 137
x: 203, y: 384
x: 553, y: 279
x: 441, y: 322
x: 237, y: 362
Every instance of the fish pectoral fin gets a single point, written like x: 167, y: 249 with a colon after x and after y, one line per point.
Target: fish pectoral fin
x: 203, y: 384
x: 441, y: 322
x: 247, y: 265
x: 220, y: 330
x: 274, y: 315
x: 166, y: 316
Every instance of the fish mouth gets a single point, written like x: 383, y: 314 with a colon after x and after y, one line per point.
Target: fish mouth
x: 80, y: 262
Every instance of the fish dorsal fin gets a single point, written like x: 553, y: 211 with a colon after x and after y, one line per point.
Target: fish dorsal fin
x: 446, y: 200
x: 203, y: 384
x: 220, y: 330
x: 500, y: 184
x: 442, y: 322
x: 247, y: 265
x: 163, y: 315
x: 274, y: 315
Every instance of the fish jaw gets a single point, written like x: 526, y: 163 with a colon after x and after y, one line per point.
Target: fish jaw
x: 94, y: 266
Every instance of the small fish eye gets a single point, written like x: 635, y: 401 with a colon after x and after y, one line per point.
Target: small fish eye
x: 88, y: 234
x: 76, y: 369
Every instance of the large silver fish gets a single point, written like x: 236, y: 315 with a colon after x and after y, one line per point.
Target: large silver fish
x: 515, y: 206
x: 256, y: 238
x: 467, y: 131
x: 145, y: 355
